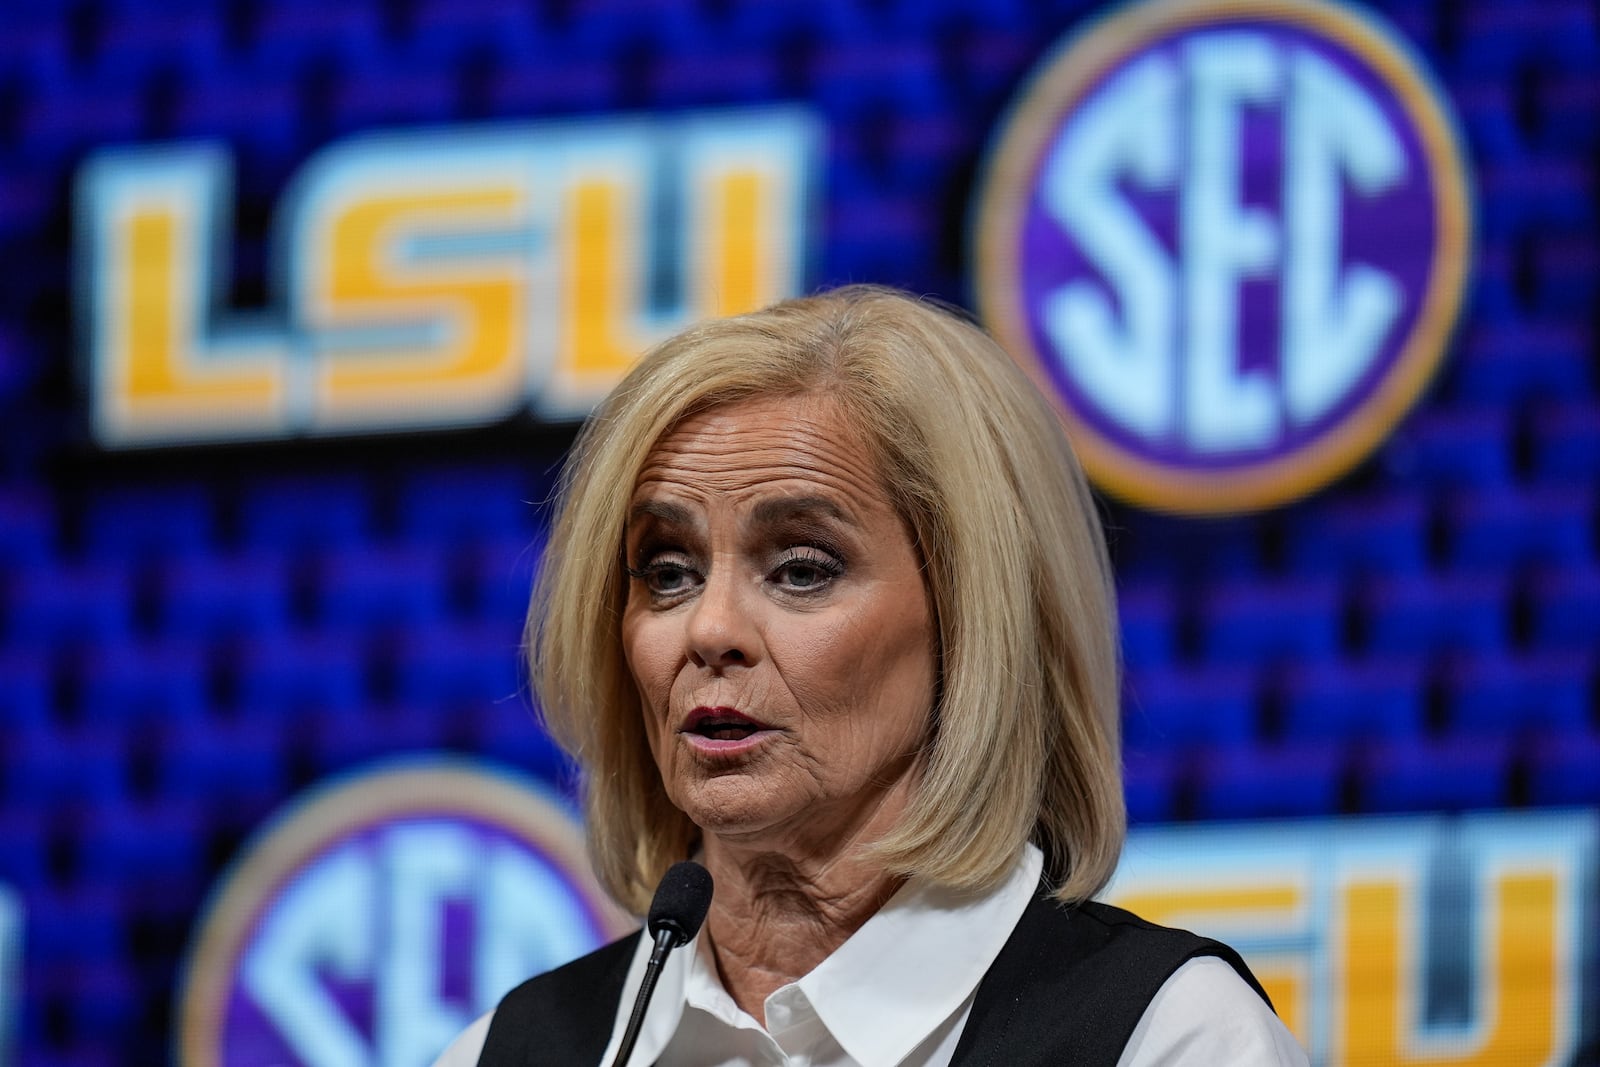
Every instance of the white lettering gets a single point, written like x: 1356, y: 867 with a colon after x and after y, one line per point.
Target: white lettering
x: 528, y: 922
x: 1223, y: 243
x: 1333, y: 328
x: 1128, y: 131
x: 426, y: 865
x: 325, y: 920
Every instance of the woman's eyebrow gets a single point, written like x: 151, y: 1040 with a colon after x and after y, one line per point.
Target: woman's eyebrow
x: 782, y: 509
x: 661, y: 511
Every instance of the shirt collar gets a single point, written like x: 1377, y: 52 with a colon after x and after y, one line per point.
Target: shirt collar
x: 916, y: 961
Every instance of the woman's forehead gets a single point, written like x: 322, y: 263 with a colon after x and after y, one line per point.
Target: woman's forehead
x: 762, y: 449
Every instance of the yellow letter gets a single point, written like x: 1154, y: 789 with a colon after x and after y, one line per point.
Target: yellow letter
x: 152, y: 221
x: 1516, y: 1019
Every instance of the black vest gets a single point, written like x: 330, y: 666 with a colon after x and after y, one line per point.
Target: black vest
x: 1069, y: 986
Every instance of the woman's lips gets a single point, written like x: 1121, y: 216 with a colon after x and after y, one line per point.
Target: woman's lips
x: 724, y: 731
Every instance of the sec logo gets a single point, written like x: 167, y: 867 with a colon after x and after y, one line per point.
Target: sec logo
x: 380, y: 916
x: 1230, y: 237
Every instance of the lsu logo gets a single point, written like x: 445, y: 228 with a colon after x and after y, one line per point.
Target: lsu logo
x: 430, y: 278
x: 1231, y: 238
x: 382, y: 916
x: 1427, y: 941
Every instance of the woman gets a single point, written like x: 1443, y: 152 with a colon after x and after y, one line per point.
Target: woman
x: 827, y: 606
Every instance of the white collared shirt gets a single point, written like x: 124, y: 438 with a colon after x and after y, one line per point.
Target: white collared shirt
x: 897, y: 994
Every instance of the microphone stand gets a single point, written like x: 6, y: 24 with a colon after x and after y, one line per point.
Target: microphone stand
x: 666, y: 941
x: 679, y: 907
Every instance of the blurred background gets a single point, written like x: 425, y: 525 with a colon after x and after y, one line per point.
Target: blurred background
x: 303, y: 300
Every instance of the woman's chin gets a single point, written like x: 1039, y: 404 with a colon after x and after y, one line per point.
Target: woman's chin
x: 739, y: 807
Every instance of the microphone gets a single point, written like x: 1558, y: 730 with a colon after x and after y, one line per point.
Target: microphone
x: 676, y: 912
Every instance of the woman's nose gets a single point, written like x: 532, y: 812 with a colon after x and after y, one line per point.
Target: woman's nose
x: 721, y: 632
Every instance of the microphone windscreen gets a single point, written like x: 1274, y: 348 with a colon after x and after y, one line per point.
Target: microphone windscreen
x: 681, y: 902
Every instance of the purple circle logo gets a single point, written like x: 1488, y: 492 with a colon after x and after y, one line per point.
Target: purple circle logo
x: 1230, y: 237
x: 382, y: 914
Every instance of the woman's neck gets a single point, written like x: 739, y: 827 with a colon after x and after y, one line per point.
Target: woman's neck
x: 779, y: 911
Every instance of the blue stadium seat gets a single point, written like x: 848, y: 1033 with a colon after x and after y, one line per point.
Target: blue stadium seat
x: 1353, y: 700
x: 1452, y: 447
x: 374, y: 95
x: 1566, y: 442
x: 509, y: 733
x: 1568, y: 101
x: 919, y: 146
x: 1165, y: 549
x: 309, y: 512
x: 1362, y: 535
x: 74, y: 116
x: 987, y: 62
x: 65, y: 769
x: 1562, y: 769
x: 25, y: 197
x: 1504, y: 697
x: 96, y: 998
x: 145, y: 684
x: 217, y: 597
x: 1566, y: 267
x: 1495, y: 284
x: 142, y: 41
x: 69, y: 605
x: 304, y: 675
x: 27, y: 689
x: 24, y: 862
x: 847, y: 78
x: 779, y: 24
x: 170, y: 521
x: 1505, y: 529
x: 257, y: 112
x: 1253, y: 622
x: 1443, y: 775
x: 1500, y: 366
x: 449, y: 31
x: 879, y: 235
x: 1540, y: 191
x: 1148, y: 616
x: 1564, y: 608
x: 143, y: 846
x: 79, y: 924
x: 533, y: 88
x: 36, y: 45
x: 739, y: 78
x: 930, y: 17
x: 448, y: 669
x: 634, y: 29
x: 379, y: 588
x: 1417, y: 616
x: 1498, y: 38
x: 1171, y: 710
x: 343, y: 740
x: 27, y: 527
x: 1150, y: 785
x: 468, y: 503
x: 291, y: 34
x: 239, y: 763
x: 1270, y: 782
x: 499, y: 578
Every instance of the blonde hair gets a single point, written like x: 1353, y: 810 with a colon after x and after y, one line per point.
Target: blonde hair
x: 1023, y: 741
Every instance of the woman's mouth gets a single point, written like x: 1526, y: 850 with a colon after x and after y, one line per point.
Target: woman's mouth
x: 722, y: 730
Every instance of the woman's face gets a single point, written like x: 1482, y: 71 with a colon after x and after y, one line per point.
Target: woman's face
x: 777, y: 625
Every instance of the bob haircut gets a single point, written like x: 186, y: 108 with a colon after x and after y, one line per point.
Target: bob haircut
x: 1023, y: 741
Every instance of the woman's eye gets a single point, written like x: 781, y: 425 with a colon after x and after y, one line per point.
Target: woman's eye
x: 807, y: 572
x: 667, y: 578
x: 664, y: 577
